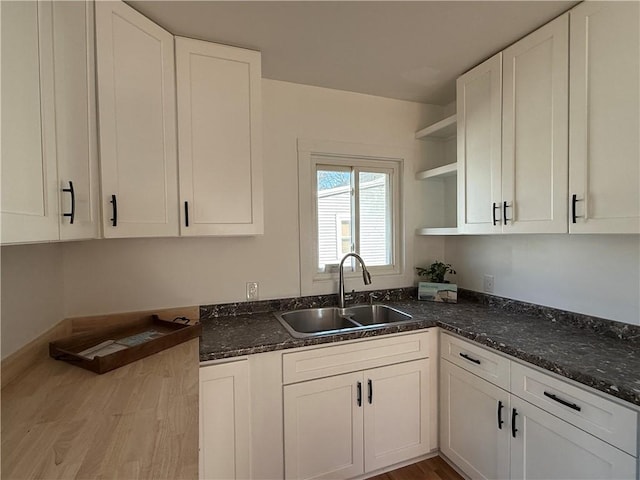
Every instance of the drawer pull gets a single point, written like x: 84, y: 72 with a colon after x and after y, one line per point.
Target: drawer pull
x: 500, y: 421
x: 359, y: 397
x: 563, y: 402
x: 467, y: 357
x: 514, y: 414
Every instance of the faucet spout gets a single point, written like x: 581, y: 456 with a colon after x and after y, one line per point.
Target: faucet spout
x: 366, y: 276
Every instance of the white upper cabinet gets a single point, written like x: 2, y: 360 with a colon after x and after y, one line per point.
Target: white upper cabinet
x: 137, y: 115
x: 535, y: 131
x: 604, y: 145
x: 29, y: 181
x: 75, y: 113
x: 49, y: 148
x: 512, y: 137
x: 219, y: 133
x: 479, y: 108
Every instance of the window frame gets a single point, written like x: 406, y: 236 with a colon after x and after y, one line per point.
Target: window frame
x: 311, y: 154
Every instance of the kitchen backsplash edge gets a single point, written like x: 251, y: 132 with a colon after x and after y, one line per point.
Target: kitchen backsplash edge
x: 609, y: 328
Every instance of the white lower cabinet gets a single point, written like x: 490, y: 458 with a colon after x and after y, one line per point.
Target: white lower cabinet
x: 396, y: 423
x: 354, y: 423
x: 473, y: 423
x: 225, y: 421
x: 561, y: 432
x: 543, y: 447
x: 323, y: 424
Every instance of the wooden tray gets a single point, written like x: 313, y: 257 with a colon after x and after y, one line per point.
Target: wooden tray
x: 172, y: 333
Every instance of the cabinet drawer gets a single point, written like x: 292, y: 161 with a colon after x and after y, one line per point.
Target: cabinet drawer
x: 477, y: 360
x: 603, y: 418
x: 334, y: 360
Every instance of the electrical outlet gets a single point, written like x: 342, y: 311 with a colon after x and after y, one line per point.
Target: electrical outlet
x: 488, y: 283
x: 252, y: 291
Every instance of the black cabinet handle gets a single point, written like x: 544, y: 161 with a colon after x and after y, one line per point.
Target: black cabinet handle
x: 495, y: 207
x: 504, y: 212
x: 514, y: 414
x: 186, y: 214
x: 467, y: 357
x: 563, y: 402
x: 359, y: 394
x: 370, y: 391
x: 574, y: 200
x: 114, y: 203
x: 72, y: 215
x: 500, y: 421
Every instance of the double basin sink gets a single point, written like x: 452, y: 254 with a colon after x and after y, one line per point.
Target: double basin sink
x: 331, y: 320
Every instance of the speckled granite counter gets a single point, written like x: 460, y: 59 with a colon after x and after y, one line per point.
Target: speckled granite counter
x: 601, y: 354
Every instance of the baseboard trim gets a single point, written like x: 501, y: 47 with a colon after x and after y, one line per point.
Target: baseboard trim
x: 38, y: 349
x: 395, y: 466
x: 454, y: 466
x: 19, y: 361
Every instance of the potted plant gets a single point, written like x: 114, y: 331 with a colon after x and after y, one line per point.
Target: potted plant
x: 437, y: 289
x: 436, y: 272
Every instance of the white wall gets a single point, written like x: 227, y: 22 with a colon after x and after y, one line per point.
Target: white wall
x: 32, y: 293
x: 592, y: 274
x: 107, y: 276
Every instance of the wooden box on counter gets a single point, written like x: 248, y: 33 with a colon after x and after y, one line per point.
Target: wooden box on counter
x: 163, y: 334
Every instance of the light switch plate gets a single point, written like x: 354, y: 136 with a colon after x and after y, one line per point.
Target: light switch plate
x: 252, y: 291
x: 488, y: 283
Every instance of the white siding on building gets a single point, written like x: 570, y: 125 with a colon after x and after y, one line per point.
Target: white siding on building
x: 335, y: 203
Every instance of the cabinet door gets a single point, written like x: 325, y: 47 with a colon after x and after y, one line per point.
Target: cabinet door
x: 136, y: 96
x: 323, y: 428
x: 29, y: 180
x: 396, y: 413
x: 546, y: 447
x: 75, y: 107
x: 604, y: 146
x: 224, y: 421
x: 535, y: 131
x: 219, y: 139
x: 479, y: 106
x: 471, y: 433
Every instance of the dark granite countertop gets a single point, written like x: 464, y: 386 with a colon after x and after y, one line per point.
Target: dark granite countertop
x: 601, y: 354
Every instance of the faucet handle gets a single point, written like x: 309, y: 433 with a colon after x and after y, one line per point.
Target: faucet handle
x: 350, y: 295
x: 372, y: 297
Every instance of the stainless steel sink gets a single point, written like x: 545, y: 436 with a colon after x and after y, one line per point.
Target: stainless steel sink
x: 331, y: 320
x: 366, y: 315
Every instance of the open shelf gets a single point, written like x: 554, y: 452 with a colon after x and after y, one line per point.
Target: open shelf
x: 439, y: 172
x: 439, y: 192
x: 438, y: 231
x: 443, y: 129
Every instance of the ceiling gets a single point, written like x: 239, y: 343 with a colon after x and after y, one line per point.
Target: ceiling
x: 405, y: 50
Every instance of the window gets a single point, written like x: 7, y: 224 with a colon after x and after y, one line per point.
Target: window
x: 354, y: 213
x: 350, y: 201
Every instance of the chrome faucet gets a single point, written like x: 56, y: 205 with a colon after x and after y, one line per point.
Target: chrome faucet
x: 366, y: 276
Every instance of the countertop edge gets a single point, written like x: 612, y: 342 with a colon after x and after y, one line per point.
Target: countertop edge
x: 601, y: 385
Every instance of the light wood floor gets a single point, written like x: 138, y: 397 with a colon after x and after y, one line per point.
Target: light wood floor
x: 431, y: 469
